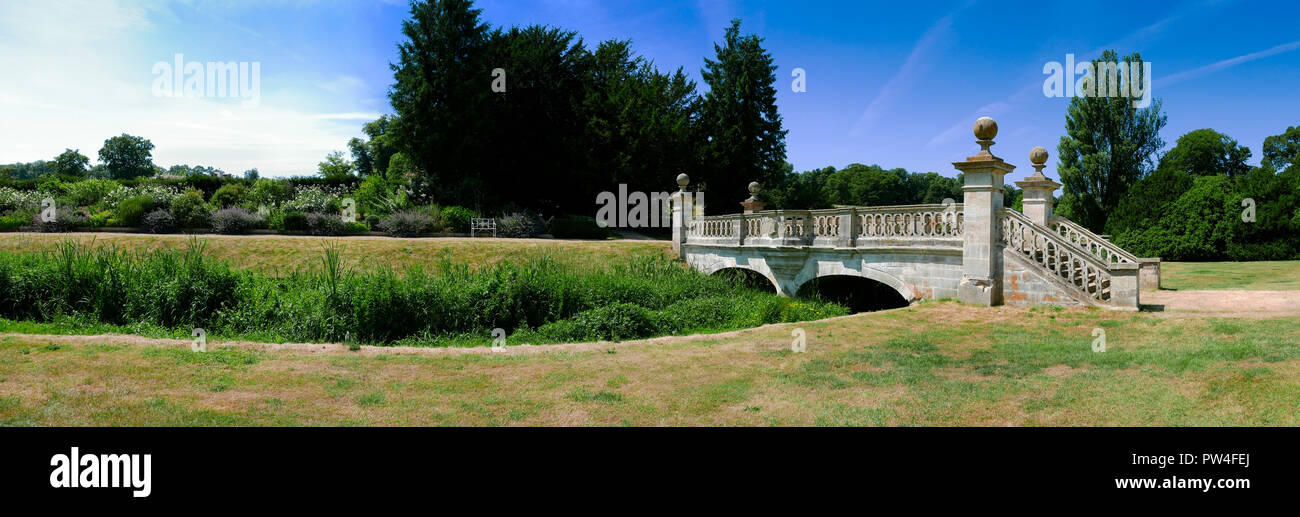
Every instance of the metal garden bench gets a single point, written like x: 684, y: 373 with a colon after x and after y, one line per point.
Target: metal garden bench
x: 482, y: 224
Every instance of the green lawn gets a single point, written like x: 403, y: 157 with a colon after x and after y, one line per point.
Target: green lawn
x: 1282, y: 275
x: 938, y: 363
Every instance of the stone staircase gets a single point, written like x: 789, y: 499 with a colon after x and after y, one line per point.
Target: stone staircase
x: 1091, y: 269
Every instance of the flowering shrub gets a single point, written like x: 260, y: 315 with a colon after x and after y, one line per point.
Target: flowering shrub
x: 158, y: 221
x: 19, y: 200
x: 407, y: 223
x: 320, y: 223
x: 65, y: 219
x: 161, y: 195
x: 316, y: 199
x: 232, y: 221
x: 520, y: 224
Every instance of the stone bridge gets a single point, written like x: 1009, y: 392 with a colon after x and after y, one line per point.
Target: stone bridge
x: 976, y: 251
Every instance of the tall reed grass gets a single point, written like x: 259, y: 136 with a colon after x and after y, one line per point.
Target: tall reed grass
x: 537, y: 300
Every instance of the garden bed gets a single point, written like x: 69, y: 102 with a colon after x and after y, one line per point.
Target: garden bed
x: 200, y: 231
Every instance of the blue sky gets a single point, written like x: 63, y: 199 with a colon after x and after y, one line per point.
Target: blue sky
x: 891, y: 83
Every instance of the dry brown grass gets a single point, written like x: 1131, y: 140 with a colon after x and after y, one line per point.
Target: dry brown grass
x: 933, y: 364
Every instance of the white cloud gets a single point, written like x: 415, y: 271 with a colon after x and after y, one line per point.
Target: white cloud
x: 344, y: 84
x: 76, y: 75
x: 915, y: 63
x: 1226, y: 63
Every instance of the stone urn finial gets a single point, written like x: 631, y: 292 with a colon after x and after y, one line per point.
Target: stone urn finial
x: 985, y: 129
x: 753, y: 205
x: 683, y: 180
x: 1038, y: 156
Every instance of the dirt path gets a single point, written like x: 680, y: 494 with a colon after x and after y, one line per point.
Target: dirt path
x: 1209, y: 303
x: 337, y: 348
x: 1224, y: 303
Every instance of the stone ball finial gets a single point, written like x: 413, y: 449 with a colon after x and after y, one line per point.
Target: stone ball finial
x: 1038, y: 155
x: 683, y: 180
x: 986, y: 128
x: 753, y: 188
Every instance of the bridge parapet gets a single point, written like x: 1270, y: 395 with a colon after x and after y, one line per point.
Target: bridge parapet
x: 904, y: 225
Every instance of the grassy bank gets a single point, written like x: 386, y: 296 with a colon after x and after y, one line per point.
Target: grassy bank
x: 538, y: 300
x: 932, y: 364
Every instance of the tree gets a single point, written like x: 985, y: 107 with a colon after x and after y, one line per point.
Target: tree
x: 638, y: 122
x: 441, y: 89
x: 186, y: 171
x: 1206, y: 152
x: 372, y: 154
x: 739, y: 119
x: 335, y: 166
x: 1281, y: 151
x: 71, y: 163
x: 23, y: 171
x: 1107, y: 147
x: 536, y: 153
x: 127, y: 157
x: 1144, y: 204
x: 863, y: 185
x: 1271, y: 234
x: 252, y: 174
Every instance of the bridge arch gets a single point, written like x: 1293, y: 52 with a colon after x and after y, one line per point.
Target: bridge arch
x: 855, y: 292
x: 904, y: 289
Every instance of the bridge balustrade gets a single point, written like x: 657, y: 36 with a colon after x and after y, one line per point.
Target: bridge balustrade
x: 833, y: 228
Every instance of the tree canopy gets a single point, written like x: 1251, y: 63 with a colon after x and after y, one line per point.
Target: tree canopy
x: 1206, y: 152
x: 127, y: 156
x: 1108, y: 146
x: 744, y: 140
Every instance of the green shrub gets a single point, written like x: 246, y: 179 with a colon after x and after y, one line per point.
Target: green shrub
x: 456, y: 218
x: 159, y: 221
x: 130, y: 211
x: 373, y: 220
x: 190, y: 211
x: 90, y: 192
x: 269, y: 192
x: 618, y: 321
x: 230, y: 194
x: 15, y: 220
x: 294, y: 222
x: 577, y: 227
x: 100, y: 219
x: 355, y: 227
